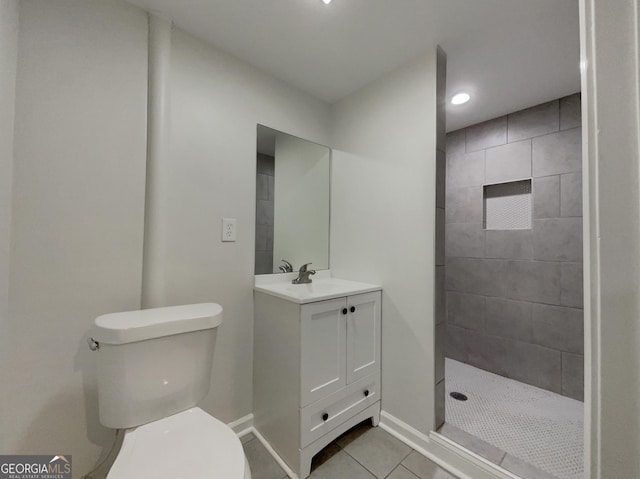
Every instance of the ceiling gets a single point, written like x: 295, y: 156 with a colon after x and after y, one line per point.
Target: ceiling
x: 509, y: 54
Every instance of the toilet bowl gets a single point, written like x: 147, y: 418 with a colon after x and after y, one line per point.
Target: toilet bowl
x: 188, y: 445
x: 154, y: 367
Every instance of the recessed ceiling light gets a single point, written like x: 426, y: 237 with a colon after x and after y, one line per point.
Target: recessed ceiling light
x: 326, y: 2
x: 460, y: 98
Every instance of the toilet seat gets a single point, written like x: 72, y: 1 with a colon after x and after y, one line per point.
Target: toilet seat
x: 188, y: 445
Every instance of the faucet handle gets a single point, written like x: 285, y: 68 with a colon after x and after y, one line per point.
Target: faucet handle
x: 286, y: 267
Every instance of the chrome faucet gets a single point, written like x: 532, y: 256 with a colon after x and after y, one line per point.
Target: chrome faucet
x: 286, y: 267
x: 303, y: 275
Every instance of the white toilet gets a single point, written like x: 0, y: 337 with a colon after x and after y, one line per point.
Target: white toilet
x: 154, y: 366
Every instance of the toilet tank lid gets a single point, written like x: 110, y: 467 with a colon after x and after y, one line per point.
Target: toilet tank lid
x: 132, y: 326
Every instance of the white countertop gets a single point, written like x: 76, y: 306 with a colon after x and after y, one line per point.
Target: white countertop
x: 323, y: 287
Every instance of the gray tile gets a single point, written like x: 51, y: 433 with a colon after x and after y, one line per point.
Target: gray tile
x: 557, y: 153
x: 536, y: 121
x: 573, y: 376
x: 571, y: 194
x: 508, y: 244
x: 264, y: 212
x: 465, y: 240
x: 509, y: 319
x: 262, y: 464
x: 441, y: 93
x: 378, y: 451
x: 264, y: 262
x: 523, y: 469
x: 261, y: 237
x: 272, y: 188
x: 466, y: 169
x: 440, y: 402
x: 536, y: 281
x: 570, y: 112
x: 402, y: 472
x: 340, y: 465
x: 464, y: 205
x: 508, y: 162
x: 466, y: 310
x: 425, y: 468
x: 571, y: 285
x: 441, y: 337
x: 487, y: 134
x: 546, y: 197
x: 478, y: 276
x: 247, y: 437
x: 558, y: 327
x: 558, y: 239
x: 265, y: 164
x: 441, y: 179
x: 440, y: 236
x: 270, y: 238
x: 535, y: 365
x: 488, y: 352
x: 441, y: 300
x: 466, y: 440
x: 456, y: 142
x: 455, y: 347
x: 262, y: 187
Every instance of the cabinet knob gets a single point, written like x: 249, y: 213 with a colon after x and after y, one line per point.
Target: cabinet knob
x: 353, y: 309
x: 366, y: 393
x: 325, y: 416
x: 344, y: 311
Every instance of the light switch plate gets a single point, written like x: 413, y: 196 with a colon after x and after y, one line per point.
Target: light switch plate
x: 228, y: 229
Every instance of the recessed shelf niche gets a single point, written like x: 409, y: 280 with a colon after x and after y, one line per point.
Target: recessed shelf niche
x: 507, y: 206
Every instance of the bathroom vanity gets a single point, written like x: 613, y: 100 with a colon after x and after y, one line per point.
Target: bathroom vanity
x: 316, y: 362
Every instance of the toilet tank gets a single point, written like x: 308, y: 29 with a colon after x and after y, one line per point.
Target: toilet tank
x: 155, y: 362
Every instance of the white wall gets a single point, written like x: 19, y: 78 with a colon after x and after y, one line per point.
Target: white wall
x: 78, y: 201
x: 610, y: 52
x: 216, y: 104
x: 8, y: 59
x: 383, y: 223
x: 301, y: 204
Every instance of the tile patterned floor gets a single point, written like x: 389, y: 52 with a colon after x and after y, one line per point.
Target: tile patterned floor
x: 363, y: 452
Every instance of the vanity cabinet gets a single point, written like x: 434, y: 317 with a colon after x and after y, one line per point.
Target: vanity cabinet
x: 316, y: 371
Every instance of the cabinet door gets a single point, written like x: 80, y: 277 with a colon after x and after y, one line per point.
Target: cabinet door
x: 363, y: 335
x: 323, y: 348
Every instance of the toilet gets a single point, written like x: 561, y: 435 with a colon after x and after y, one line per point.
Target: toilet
x: 154, y: 366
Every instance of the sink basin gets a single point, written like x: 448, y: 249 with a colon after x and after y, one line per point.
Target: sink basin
x: 320, y: 289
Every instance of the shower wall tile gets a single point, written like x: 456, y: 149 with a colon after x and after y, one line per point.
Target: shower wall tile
x: 466, y: 310
x: 466, y: 169
x: 457, y: 339
x: 571, y: 285
x: 440, y: 236
x: 536, y: 121
x: 570, y: 112
x: 464, y: 205
x: 440, y: 404
x: 558, y: 239
x: 266, y: 164
x: 558, y: 327
x: 557, y: 153
x: 441, y: 178
x: 573, y: 376
x: 535, y: 365
x: 441, y: 332
x: 441, y: 301
x: 456, y: 142
x: 261, y: 237
x: 264, y: 262
x: 488, y: 352
x: 264, y: 212
x: 479, y: 276
x: 465, y: 240
x: 546, y: 197
x: 262, y: 187
x: 509, y: 319
x: 508, y: 244
x: 508, y: 162
x: 487, y: 134
x: 571, y: 194
x: 441, y: 94
x: 535, y: 281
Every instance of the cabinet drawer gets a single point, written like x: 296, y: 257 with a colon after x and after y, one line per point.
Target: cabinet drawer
x: 338, y: 407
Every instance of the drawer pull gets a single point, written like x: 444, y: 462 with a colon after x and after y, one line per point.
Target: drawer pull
x: 325, y: 416
x: 366, y: 393
x: 344, y: 311
x: 353, y: 309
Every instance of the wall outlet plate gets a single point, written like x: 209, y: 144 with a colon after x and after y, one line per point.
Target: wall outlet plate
x: 228, y: 229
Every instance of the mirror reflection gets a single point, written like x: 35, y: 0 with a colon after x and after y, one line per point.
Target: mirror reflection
x: 292, y: 203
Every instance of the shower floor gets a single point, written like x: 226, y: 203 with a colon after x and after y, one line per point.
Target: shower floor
x: 532, y: 426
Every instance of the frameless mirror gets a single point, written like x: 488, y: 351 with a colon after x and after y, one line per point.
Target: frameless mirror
x: 292, y: 202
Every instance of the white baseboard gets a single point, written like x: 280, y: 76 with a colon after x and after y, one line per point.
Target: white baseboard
x: 274, y: 454
x: 242, y: 426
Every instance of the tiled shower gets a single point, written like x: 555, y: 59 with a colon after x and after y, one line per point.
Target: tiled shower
x: 514, y: 296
